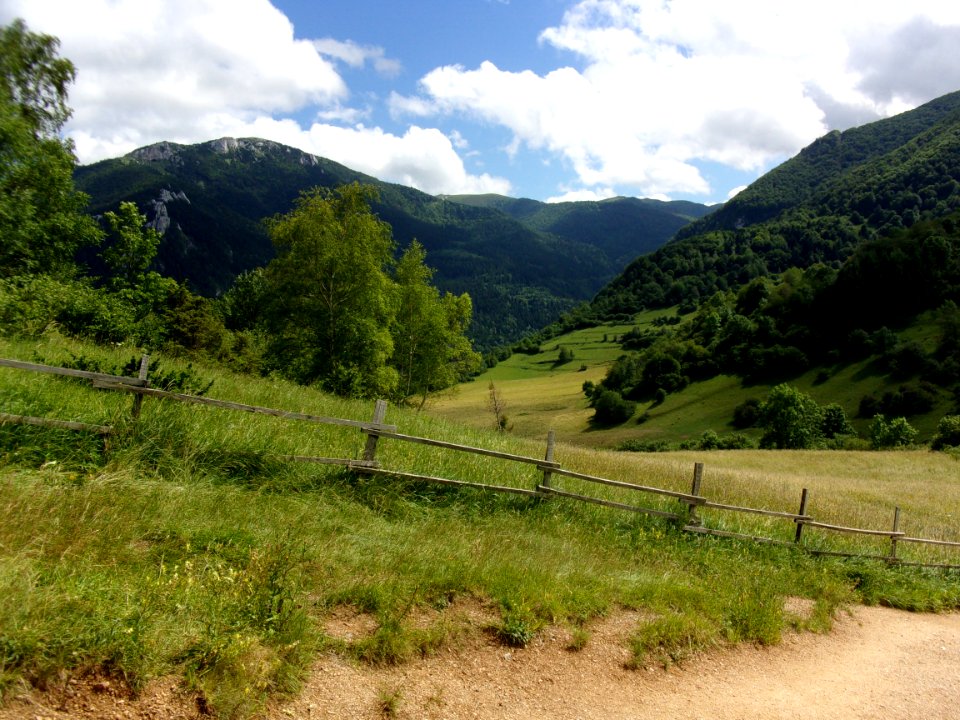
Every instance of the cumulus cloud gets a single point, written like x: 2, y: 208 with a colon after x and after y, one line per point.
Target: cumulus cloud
x: 178, y: 70
x: 583, y: 195
x: 194, y: 70
x: 357, y: 55
x: 659, y: 87
x: 915, y: 62
x: 649, y: 91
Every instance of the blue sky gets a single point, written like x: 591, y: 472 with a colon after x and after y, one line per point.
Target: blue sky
x: 549, y: 99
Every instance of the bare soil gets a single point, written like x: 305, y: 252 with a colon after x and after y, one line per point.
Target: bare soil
x: 876, y: 663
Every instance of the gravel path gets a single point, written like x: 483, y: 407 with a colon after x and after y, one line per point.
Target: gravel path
x: 876, y: 664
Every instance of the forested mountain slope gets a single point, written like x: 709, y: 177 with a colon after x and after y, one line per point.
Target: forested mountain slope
x: 843, y: 189
x: 209, y: 201
x: 623, y: 227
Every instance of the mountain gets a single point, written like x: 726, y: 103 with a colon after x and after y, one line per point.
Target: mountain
x: 622, y: 227
x: 208, y: 201
x: 844, y: 189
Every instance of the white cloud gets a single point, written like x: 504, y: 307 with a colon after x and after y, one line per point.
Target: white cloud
x: 195, y: 70
x: 423, y: 158
x: 653, y: 90
x: 583, y: 195
x: 662, y: 86
x: 178, y: 70
x: 357, y: 55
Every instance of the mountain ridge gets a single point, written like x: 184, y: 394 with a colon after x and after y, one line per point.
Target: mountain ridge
x: 210, y: 198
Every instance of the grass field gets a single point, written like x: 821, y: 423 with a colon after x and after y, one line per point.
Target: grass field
x: 188, y: 547
x: 540, y: 394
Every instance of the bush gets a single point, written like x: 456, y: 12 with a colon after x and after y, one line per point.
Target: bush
x: 792, y: 419
x: 746, y: 414
x: 835, y: 422
x: 644, y: 446
x: 889, y: 434
x: 948, y: 433
x: 611, y: 408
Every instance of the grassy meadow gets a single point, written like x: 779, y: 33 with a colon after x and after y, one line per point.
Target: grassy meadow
x: 540, y: 394
x: 187, y: 546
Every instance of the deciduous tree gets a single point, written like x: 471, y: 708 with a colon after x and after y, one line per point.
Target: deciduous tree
x: 431, y: 351
x: 791, y: 419
x: 42, y: 219
x: 330, y: 305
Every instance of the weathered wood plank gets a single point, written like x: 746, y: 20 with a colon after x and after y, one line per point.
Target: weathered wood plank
x: 70, y: 372
x: 726, y: 533
x: 943, y: 566
x: 329, y: 461
x: 606, y: 503
x: 198, y: 400
x: 946, y: 543
x: 690, y: 499
x: 858, y: 531
x: 757, y: 511
x: 49, y: 422
x: 462, y: 448
x: 445, y: 481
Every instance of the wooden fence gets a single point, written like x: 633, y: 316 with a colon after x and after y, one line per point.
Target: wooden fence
x: 690, y: 505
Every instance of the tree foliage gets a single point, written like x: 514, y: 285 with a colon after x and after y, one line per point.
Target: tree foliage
x: 431, y: 350
x: 337, y: 314
x: 130, y: 246
x: 330, y: 306
x: 42, y: 219
x: 791, y: 419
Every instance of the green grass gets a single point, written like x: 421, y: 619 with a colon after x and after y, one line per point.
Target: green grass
x: 541, y: 395
x: 187, y: 547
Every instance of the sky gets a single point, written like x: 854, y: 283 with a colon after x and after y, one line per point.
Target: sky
x: 547, y: 99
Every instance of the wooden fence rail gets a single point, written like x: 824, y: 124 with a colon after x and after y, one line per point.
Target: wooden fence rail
x: 377, y: 429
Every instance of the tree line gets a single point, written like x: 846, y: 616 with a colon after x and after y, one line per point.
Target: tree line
x: 335, y: 308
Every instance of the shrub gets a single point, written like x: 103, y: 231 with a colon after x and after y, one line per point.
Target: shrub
x: 835, y: 422
x: 746, y: 414
x: 644, y: 446
x: 894, y: 433
x: 611, y: 408
x: 792, y: 419
x: 948, y: 433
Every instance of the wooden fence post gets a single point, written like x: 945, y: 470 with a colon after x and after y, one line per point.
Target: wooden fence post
x: 138, y: 399
x: 692, y: 518
x: 379, y: 415
x: 548, y: 457
x: 893, y: 538
x: 803, y: 511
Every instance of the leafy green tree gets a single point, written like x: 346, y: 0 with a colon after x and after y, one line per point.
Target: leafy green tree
x: 891, y: 433
x: 42, y: 219
x: 948, y: 433
x: 131, y: 246
x: 242, y: 305
x: 330, y: 300
x: 611, y: 409
x: 835, y: 422
x: 791, y: 419
x: 431, y: 351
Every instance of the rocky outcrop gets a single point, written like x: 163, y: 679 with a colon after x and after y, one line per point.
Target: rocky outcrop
x: 160, y: 216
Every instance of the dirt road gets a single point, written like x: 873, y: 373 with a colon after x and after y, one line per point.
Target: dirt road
x: 876, y: 664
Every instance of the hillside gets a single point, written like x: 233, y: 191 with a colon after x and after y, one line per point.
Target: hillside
x: 192, y: 546
x: 838, y: 273
x: 623, y: 227
x: 843, y: 189
x: 209, y: 200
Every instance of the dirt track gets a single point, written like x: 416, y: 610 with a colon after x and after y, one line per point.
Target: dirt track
x: 877, y: 663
